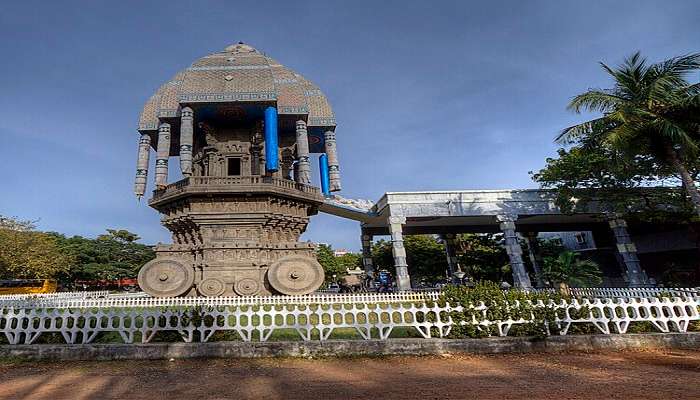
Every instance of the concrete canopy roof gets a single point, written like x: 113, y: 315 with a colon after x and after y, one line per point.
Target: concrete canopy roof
x: 464, y: 211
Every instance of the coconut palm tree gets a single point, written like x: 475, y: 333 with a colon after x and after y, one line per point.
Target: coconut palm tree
x: 568, y: 270
x: 652, y: 109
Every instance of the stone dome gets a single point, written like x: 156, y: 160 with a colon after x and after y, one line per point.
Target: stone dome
x: 239, y: 73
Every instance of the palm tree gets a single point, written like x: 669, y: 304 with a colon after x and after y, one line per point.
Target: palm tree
x: 651, y: 110
x: 568, y: 270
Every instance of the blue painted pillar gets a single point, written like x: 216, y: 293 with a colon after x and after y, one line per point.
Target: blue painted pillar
x: 271, y: 146
x: 325, y: 178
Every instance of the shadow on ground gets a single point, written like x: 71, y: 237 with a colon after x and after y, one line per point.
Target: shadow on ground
x: 648, y: 375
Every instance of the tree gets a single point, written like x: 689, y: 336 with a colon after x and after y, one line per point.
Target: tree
x: 120, y: 235
x: 568, y: 270
x: 31, y: 254
x: 110, y: 256
x: 382, y: 257
x: 424, y: 255
x: 15, y: 224
x: 483, y: 257
x: 549, y: 247
x: 594, y: 170
x: 349, y: 261
x: 325, y: 256
x: 651, y: 112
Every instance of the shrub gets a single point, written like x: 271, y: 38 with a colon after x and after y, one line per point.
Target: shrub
x: 500, y: 305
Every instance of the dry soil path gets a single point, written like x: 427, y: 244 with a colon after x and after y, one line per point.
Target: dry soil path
x: 624, y: 375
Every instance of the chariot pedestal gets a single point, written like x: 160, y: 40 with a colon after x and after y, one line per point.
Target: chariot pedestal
x: 234, y: 236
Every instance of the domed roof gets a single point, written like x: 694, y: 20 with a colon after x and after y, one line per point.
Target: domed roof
x: 240, y: 73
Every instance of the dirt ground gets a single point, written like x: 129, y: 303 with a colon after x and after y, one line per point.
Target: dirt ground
x: 624, y: 375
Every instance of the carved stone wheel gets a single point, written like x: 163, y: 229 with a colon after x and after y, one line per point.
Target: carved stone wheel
x: 294, y: 275
x: 247, y: 287
x: 211, y: 287
x: 166, y: 278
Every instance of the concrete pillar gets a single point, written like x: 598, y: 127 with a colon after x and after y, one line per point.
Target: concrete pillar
x: 515, y: 252
x: 304, y: 166
x: 403, y: 281
x: 450, y: 240
x: 533, y: 250
x: 628, y: 251
x: 367, y: 253
x: 186, y: 139
x: 333, y: 166
x: 323, y: 169
x: 163, y: 152
x: 271, y: 141
x: 142, y: 165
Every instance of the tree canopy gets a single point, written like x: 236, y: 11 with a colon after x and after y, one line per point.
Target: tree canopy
x: 31, y: 254
x: 331, y: 267
x: 28, y: 253
x: 424, y: 254
x: 483, y: 257
x: 110, y: 256
x: 648, y: 135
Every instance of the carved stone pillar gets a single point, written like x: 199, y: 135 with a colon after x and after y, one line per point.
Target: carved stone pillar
x: 403, y: 281
x: 255, y: 150
x: 162, y: 155
x: 186, y: 138
x: 515, y: 252
x: 533, y: 250
x: 142, y: 165
x: 304, y: 166
x: 367, y: 253
x: 295, y: 167
x: 287, y: 164
x: 333, y: 166
x: 628, y: 251
x: 451, y: 252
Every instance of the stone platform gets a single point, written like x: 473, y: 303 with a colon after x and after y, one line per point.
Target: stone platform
x: 349, y: 348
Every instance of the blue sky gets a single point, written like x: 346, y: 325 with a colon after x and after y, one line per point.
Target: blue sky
x: 428, y: 95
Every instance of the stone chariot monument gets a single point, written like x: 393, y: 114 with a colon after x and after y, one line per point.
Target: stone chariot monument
x: 244, y: 128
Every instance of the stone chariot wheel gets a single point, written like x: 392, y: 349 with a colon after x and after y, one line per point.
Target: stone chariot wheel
x: 211, y: 287
x: 166, y: 278
x: 247, y: 287
x: 295, y: 275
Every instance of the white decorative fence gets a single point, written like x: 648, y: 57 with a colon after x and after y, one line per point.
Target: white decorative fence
x: 53, y: 296
x: 371, y: 316
x: 627, y: 293
x: 114, y: 301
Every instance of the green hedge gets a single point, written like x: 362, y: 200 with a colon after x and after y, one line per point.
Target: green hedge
x: 501, y: 305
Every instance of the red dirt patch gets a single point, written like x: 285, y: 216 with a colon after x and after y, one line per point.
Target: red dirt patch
x: 641, y: 375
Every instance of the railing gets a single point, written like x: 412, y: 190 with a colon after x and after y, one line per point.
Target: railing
x: 626, y: 293
x: 122, y: 301
x: 52, y: 296
x: 104, y: 299
x: 370, y: 319
x: 208, y: 181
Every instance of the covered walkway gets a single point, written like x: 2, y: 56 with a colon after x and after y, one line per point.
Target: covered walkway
x: 515, y: 213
